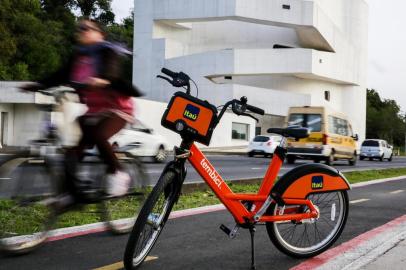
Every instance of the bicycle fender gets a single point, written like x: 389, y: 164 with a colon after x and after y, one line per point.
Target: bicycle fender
x: 309, y: 178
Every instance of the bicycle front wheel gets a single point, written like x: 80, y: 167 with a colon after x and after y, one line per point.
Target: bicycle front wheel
x: 120, y: 213
x: 308, y: 238
x: 151, y: 221
x: 26, y: 212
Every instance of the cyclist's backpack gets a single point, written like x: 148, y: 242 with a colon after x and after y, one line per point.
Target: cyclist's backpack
x: 191, y: 117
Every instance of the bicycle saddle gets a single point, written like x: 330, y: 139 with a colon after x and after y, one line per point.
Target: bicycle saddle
x: 291, y: 132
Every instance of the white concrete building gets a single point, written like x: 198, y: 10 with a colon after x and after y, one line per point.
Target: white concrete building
x: 23, y: 116
x: 20, y: 118
x: 278, y: 53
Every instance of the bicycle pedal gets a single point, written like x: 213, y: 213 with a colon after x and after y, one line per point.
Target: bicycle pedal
x: 231, y: 233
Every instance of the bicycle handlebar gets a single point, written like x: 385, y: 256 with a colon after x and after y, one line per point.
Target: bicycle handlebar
x: 255, y: 109
x: 169, y: 72
x: 180, y: 79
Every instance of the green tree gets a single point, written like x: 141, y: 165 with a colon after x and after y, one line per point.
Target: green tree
x: 99, y: 10
x: 384, y: 119
x: 37, y: 37
x: 31, y: 44
x: 123, y: 32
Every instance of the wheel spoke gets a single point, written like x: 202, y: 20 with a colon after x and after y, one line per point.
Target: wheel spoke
x: 314, y: 234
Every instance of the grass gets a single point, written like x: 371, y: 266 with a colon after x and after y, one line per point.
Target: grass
x: 28, y: 220
x: 363, y: 176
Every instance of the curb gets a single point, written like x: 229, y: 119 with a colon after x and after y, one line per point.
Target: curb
x: 64, y: 233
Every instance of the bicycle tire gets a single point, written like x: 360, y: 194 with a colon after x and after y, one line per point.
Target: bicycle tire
x: 282, y: 233
x: 138, y: 245
x: 119, y: 213
x: 26, y: 211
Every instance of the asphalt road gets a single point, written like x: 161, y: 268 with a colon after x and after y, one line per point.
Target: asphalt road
x: 233, y: 167
x: 195, y: 242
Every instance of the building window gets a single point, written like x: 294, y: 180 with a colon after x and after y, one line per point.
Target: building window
x: 286, y: 6
x: 4, y: 128
x: 257, y: 131
x: 327, y: 95
x: 240, y: 131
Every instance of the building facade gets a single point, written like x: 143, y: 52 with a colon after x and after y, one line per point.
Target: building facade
x: 278, y: 53
x: 24, y: 116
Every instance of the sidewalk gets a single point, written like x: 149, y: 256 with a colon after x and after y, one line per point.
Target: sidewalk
x: 381, y: 248
x: 395, y: 258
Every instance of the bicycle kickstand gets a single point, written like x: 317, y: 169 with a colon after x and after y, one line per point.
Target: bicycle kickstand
x: 252, y: 234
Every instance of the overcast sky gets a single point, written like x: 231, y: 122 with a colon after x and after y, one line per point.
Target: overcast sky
x: 387, y: 46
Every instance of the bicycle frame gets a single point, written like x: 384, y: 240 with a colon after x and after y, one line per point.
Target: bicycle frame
x: 233, y: 201
x: 261, y: 200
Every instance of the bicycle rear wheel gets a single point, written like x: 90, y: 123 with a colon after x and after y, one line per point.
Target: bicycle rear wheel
x: 311, y: 237
x: 26, y: 212
x: 151, y: 220
x: 120, y: 213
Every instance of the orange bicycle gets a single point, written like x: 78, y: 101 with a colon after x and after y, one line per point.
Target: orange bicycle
x: 305, y: 211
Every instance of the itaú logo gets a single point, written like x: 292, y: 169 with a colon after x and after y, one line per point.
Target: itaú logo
x: 191, y: 112
x: 212, y: 173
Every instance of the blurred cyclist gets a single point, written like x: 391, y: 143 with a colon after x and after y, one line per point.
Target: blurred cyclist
x: 94, y: 72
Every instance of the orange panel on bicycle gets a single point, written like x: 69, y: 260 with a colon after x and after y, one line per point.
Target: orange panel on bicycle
x: 191, y: 117
x: 315, y: 183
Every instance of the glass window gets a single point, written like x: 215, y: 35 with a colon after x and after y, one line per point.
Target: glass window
x: 370, y: 143
x: 240, y: 131
x: 338, y: 126
x: 311, y: 121
x: 261, y: 139
x: 257, y: 130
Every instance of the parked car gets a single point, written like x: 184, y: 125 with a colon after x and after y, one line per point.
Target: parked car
x: 264, y: 145
x: 139, y: 140
x: 376, y: 149
x: 331, y: 136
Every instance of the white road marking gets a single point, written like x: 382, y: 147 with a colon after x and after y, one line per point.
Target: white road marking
x: 5, y: 178
x: 359, y: 201
x: 396, y: 191
x: 256, y: 168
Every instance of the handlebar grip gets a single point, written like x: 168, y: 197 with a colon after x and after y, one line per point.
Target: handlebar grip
x: 169, y: 72
x: 255, y: 109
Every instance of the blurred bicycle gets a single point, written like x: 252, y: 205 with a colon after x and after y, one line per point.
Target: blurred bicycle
x: 33, y: 188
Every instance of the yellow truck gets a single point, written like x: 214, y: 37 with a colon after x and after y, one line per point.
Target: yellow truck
x: 331, y: 136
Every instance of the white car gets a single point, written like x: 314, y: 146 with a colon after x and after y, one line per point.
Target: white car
x: 376, y: 149
x: 264, y: 145
x: 138, y: 140
x: 141, y: 141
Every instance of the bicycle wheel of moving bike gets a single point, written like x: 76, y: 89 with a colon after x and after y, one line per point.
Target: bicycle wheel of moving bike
x: 150, y: 221
x: 310, y: 237
x: 120, y: 213
x: 26, y: 212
